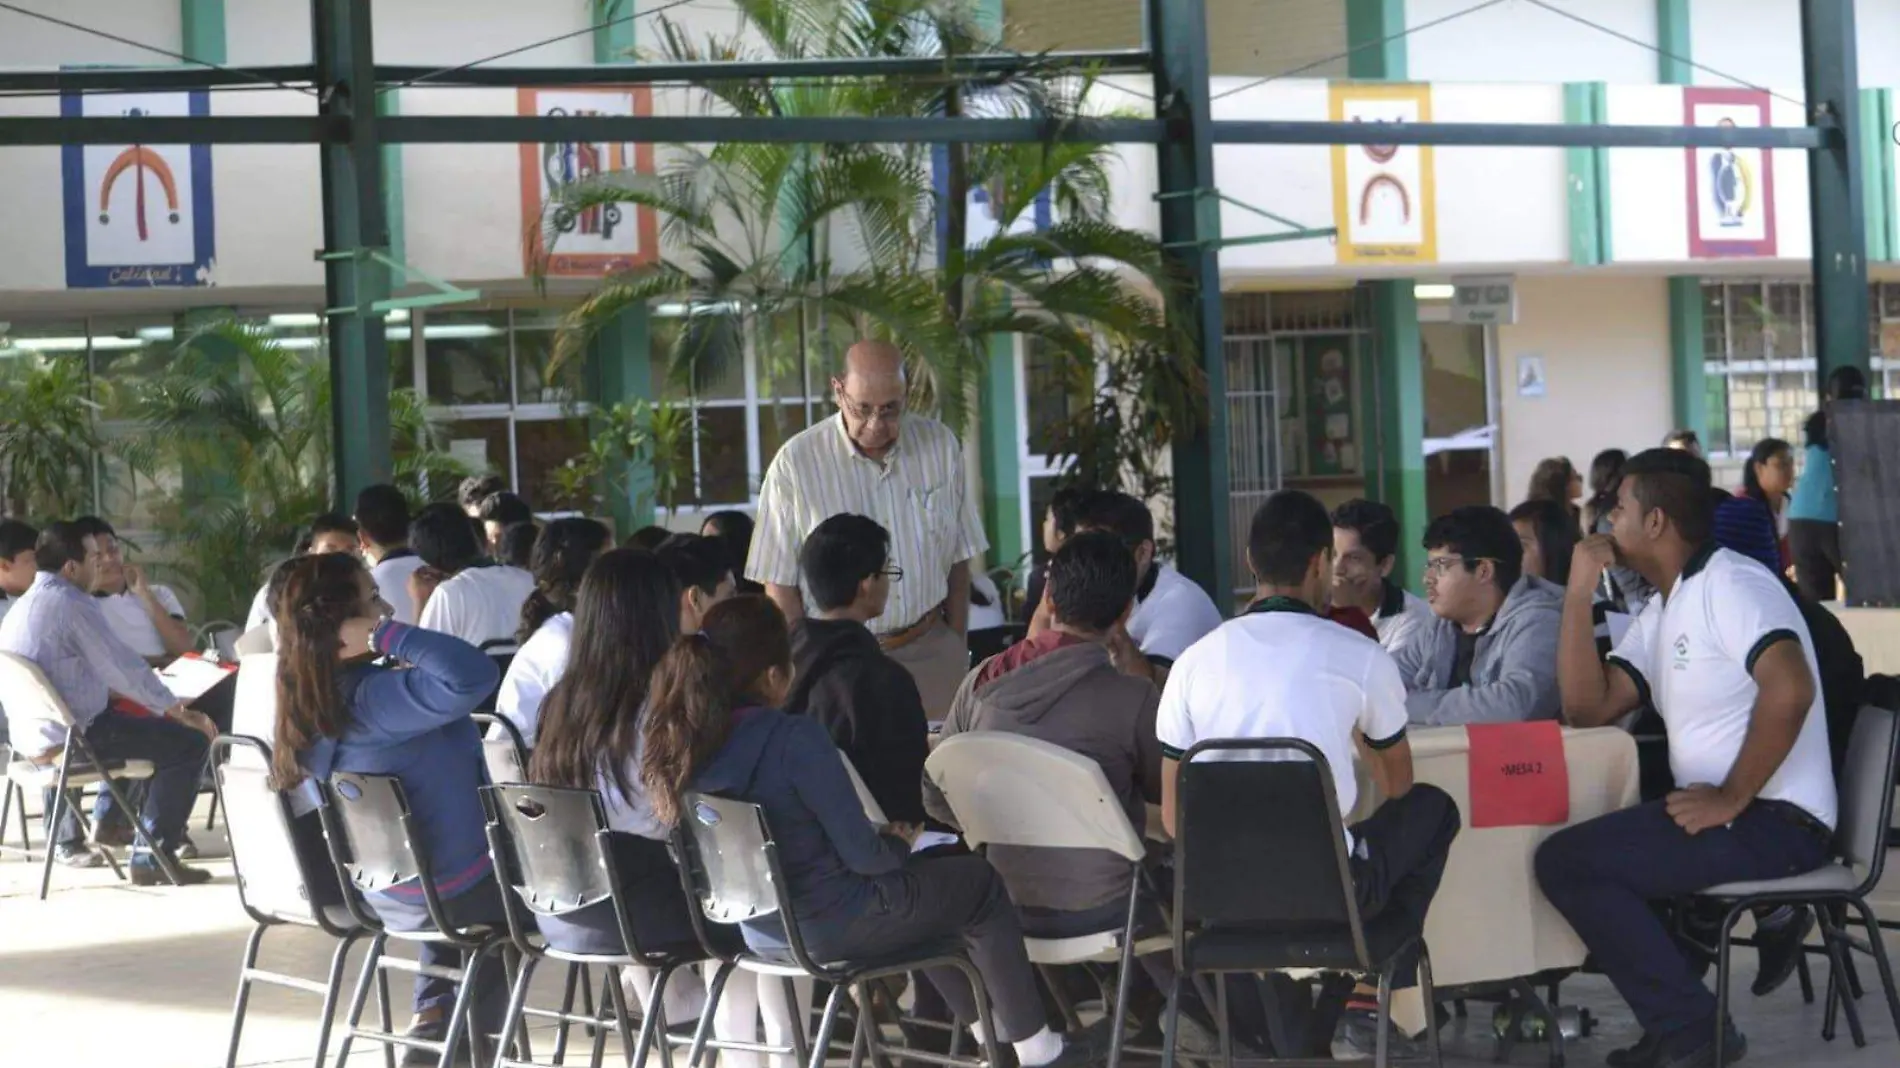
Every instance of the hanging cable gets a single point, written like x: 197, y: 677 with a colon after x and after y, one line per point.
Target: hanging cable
x: 1360, y: 47
x: 166, y: 52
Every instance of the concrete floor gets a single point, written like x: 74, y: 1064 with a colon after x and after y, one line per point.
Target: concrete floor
x: 105, y: 974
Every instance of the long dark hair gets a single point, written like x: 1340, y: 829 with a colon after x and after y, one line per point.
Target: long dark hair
x: 561, y: 555
x: 1606, y: 473
x: 626, y: 615
x: 1556, y: 536
x: 702, y: 679
x: 318, y: 594
x: 1765, y: 450
x: 1551, y: 480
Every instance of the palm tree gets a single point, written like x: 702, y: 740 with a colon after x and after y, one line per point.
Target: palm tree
x: 846, y: 236
x: 49, y: 437
x: 255, y: 417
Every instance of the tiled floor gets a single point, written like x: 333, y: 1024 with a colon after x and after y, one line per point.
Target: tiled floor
x: 104, y: 974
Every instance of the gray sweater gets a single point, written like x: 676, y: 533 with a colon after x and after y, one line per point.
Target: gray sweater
x: 1513, y: 671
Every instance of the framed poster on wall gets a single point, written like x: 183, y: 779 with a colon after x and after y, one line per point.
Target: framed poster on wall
x: 137, y: 215
x: 602, y: 239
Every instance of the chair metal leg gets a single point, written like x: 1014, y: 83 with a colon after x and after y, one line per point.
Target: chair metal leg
x: 1224, y: 1023
x: 1381, y: 1049
x: 243, y: 1000
x: 1170, y: 1020
x: 600, y: 1022
x: 1124, y: 975
x: 822, y: 1043
x: 49, y: 825
x: 567, y: 1009
x: 1806, y: 978
x: 714, y: 991
x: 1071, y: 1019
x: 382, y: 1016
x: 984, y: 1018
x: 371, y: 972
x: 1832, y: 937
x: 861, y: 1033
x: 1429, y: 992
x: 1878, y: 950
x: 461, y: 1017
x: 652, y: 1023
x: 511, y: 1021
x: 332, y: 987
x: 801, y: 1044
x: 1722, y: 951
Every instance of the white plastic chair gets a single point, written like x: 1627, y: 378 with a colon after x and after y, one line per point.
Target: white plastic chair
x: 1013, y: 790
x: 872, y: 810
x: 30, y: 697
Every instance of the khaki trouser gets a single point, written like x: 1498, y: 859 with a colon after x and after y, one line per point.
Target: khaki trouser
x: 937, y: 660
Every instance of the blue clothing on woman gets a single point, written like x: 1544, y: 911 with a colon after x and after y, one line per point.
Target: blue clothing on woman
x: 414, y: 723
x: 1814, y: 492
x: 1745, y: 525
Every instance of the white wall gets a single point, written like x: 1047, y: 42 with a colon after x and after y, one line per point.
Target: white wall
x: 1521, y: 43
x: 29, y: 42
x: 1605, y: 343
x: 1757, y: 41
x: 1877, y: 31
x: 1501, y: 205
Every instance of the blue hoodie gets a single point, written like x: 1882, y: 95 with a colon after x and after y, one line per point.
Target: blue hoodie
x: 413, y: 723
x: 832, y: 855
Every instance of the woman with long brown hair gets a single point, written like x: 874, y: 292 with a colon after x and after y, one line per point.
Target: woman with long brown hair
x: 562, y: 554
x: 1557, y: 479
x: 712, y: 724
x: 340, y: 709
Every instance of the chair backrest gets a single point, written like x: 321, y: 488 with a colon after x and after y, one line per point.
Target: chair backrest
x: 503, y: 749
x: 258, y: 639
x: 367, y: 819
x: 550, y: 843
x: 1866, y: 790
x: 872, y: 810
x: 218, y: 636
x: 1259, y: 841
x: 254, y: 713
x: 29, y: 695
x: 1009, y: 789
x: 272, y: 882
x: 725, y: 859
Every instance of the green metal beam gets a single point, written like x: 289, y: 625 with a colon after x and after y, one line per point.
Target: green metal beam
x: 1835, y: 205
x: 1395, y: 473
x: 1002, y: 448
x: 1672, y: 43
x: 202, y: 23
x: 1177, y: 31
x: 1877, y: 173
x: 1374, y: 33
x: 613, y: 43
x: 388, y: 104
x: 1688, y: 379
x: 966, y: 66
x: 133, y: 79
x: 1587, y: 179
x: 353, y: 224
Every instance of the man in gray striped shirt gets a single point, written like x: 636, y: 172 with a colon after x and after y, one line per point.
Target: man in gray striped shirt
x: 905, y: 472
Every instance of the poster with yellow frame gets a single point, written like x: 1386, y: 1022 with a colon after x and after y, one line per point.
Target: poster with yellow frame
x: 1383, y: 199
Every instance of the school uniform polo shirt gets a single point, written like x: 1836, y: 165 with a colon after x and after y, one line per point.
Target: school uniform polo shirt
x: 480, y: 605
x: 532, y: 674
x: 1172, y: 613
x: 1692, y: 656
x: 127, y: 617
x: 1281, y: 670
x: 391, y: 575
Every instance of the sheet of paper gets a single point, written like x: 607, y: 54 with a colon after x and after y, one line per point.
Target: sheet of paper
x: 188, y: 677
x: 931, y: 840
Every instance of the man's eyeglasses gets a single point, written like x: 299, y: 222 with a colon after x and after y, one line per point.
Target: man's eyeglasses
x: 893, y: 572
x: 866, y: 413
x: 1439, y: 565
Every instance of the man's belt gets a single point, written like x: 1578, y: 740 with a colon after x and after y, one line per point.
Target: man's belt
x: 897, y: 639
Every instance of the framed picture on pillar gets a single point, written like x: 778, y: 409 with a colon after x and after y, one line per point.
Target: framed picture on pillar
x: 1384, y: 202
x: 1731, y: 190
x: 601, y: 239
x: 137, y: 215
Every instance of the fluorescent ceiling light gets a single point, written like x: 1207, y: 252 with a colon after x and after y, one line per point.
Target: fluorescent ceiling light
x: 157, y: 333
x: 50, y: 344
x: 297, y: 342
x: 461, y: 331
x: 1434, y: 291
x: 400, y: 315
x: 296, y: 319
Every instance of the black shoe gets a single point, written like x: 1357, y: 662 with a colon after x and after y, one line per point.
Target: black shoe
x: 150, y: 874
x: 76, y: 855
x: 428, y: 1031
x: 1734, y: 1048
x: 1643, y: 1054
x: 1088, y: 1046
x: 114, y: 834
x: 1780, y: 949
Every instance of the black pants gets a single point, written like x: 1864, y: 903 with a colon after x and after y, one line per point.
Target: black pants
x: 939, y: 898
x: 1816, y: 548
x: 480, y: 903
x: 177, y: 753
x: 1399, y: 858
x: 1604, y: 874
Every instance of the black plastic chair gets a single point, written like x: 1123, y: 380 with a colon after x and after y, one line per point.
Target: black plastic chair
x: 274, y: 887
x: 728, y: 861
x: 504, y: 750
x: 1255, y: 894
x: 376, y: 843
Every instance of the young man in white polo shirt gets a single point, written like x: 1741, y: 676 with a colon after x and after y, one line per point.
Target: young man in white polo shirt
x: 1284, y: 670
x: 1723, y: 656
x: 479, y: 601
x: 1171, y: 612
x: 1365, y: 550
x: 382, y: 525
x: 145, y: 616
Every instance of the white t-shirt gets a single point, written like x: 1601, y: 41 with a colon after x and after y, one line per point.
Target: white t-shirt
x: 1282, y: 671
x: 1401, y: 616
x: 1692, y: 656
x: 260, y: 612
x: 481, y: 606
x: 126, y: 614
x: 533, y: 672
x: 1175, y: 614
x: 391, y: 575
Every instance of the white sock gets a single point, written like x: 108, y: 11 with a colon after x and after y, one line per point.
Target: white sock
x: 1040, y: 1048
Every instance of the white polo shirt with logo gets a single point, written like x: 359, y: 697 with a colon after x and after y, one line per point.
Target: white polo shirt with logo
x: 391, y: 575
x: 480, y: 605
x: 1281, y: 671
x: 1173, y: 615
x: 1692, y: 656
x: 129, y: 620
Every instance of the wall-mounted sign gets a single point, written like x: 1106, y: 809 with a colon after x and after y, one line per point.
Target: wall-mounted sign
x: 1731, y: 190
x: 1489, y: 300
x: 137, y: 215
x: 602, y: 239
x: 1383, y: 200
x: 1531, y: 380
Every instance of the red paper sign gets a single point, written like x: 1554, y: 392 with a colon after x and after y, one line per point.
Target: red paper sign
x: 1518, y: 775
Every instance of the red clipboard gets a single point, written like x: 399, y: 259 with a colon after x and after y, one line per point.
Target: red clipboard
x: 1518, y: 775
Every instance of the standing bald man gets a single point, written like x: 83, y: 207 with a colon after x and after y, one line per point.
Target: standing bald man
x: 904, y: 471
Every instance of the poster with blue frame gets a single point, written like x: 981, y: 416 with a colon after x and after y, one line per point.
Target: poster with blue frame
x: 137, y: 215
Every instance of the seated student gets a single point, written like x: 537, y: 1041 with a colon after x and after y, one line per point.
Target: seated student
x: 516, y: 545
x: 474, y: 490
x: 339, y: 710
x: 704, y: 573
x: 648, y: 538
x: 867, y: 701
x: 146, y: 617
x: 474, y: 599
x: 1548, y: 538
x: 1723, y: 655
x: 59, y: 626
x: 17, y: 567
x: 382, y: 525
x: 1058, y: 522
x: 1171, y: 612
x: 1489, y: 654
x: 734, y: 531
x: 328, y: 533
x: 712, y: 724
x: 497, y: 513
x: 561, y: 556
x: 1281, y: 670
x: 1365, y: 550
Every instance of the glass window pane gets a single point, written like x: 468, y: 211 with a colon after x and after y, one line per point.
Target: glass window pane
x: 1748, y: 410
x: 710, y: 344
x: 127, y: 356
x: 1784, y: 325
x: 402, y: 350
x: 777, y: 423
x: 1716, y: 390
x: 723, y: 477
x: 468, y: 357
x: 1058, y: 388
x: 790, y: 345
x: 481, y: 444
x: 133, y: 504
x: 534, y: 351
x: 1715, y: 322
x: 542, y: 446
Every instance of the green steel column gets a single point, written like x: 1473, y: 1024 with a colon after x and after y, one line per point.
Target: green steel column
x: 1876, y: 170
x: 1395, y: 471
x: 1190, y: 224
x: 1588, y: 178
x: 353, y: 222
x: 1688, y: 381
x: 622, y: 353
x: 1002, y: 448
x: 202, y: 22
x: 387, y: 104
x: 1672, y: 43
x: 1834, y: 179
x: 1373, y: 33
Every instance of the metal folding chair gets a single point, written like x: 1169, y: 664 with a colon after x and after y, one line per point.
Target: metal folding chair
x: 504, y: 750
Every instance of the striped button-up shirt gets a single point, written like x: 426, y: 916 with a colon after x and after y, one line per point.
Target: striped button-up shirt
x: 60, y: 628
x: 917, y: 492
